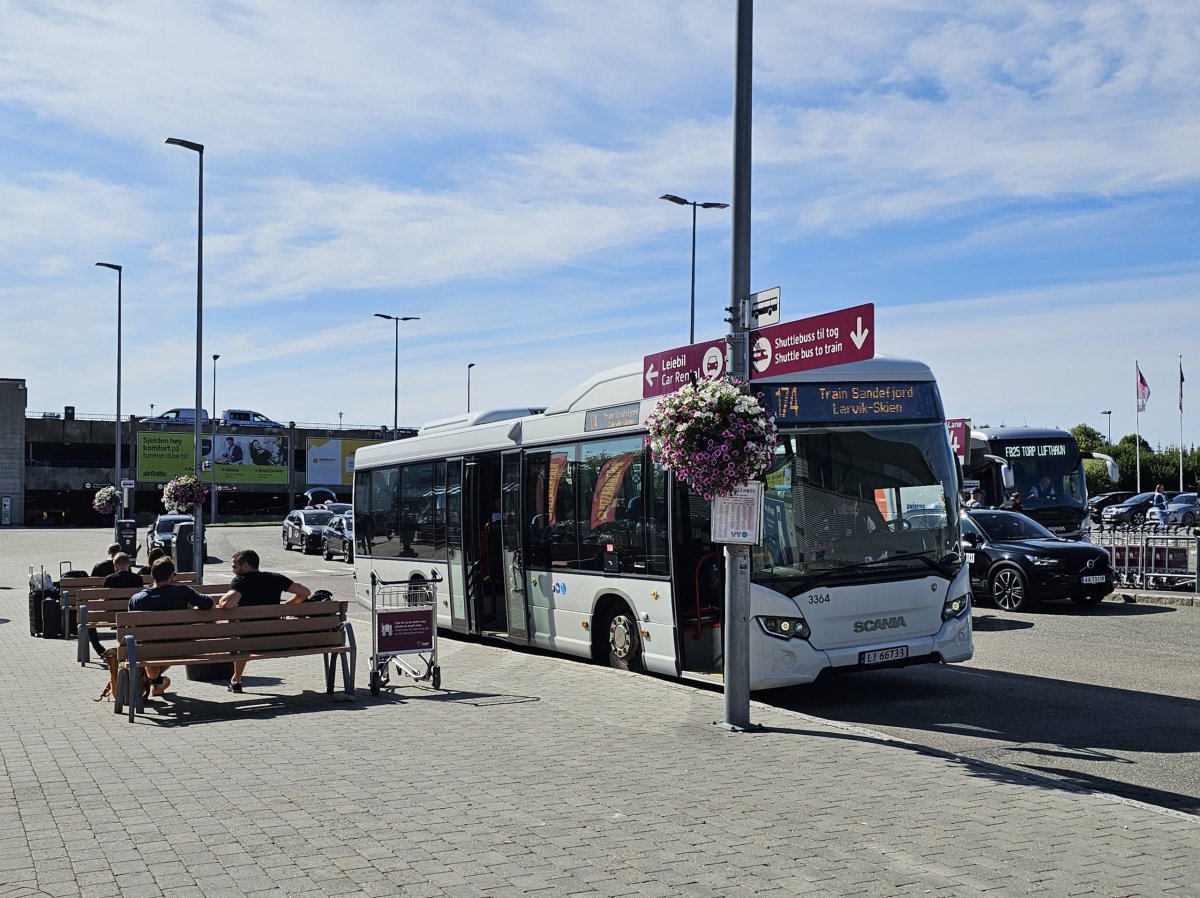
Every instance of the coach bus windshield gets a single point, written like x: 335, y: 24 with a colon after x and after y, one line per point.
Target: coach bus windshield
x: 858, y: 504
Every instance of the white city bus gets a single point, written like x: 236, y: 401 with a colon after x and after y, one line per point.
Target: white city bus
x: 555, y: 528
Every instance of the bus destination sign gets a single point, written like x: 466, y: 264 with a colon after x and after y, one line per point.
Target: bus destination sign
x: 613, y: 416
x: 832, y: 402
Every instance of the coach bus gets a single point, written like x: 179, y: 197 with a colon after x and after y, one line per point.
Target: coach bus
x: 556, y: 528
x: 1044, y: 465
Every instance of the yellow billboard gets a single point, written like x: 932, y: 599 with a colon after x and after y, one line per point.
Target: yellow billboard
x: 163, y: 455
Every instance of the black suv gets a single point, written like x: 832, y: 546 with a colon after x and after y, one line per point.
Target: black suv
x: 1018, y: 562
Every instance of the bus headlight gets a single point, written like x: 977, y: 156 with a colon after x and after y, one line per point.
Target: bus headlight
x: 956, y: 607
x: 784, y: 627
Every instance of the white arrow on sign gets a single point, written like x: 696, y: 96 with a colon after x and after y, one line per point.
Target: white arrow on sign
x: 651, y: 375
x: 859, y: 336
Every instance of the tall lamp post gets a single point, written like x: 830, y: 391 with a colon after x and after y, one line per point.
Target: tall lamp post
x: 198, y: 510
x: 680, y: 201
x: 396, y: 388
x: 212, y: 453
x: 1109, y: 413
x: 470, y: 365
x: 117, y: 462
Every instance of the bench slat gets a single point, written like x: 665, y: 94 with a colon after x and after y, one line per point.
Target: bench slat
x: 249, y: 656
x: 153, y: 651
x: 241, y: 612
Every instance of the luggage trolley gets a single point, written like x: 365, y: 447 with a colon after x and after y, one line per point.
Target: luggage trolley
x: 404, y: 622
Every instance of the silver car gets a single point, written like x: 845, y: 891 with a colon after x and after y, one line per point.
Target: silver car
x: 1183, y: 509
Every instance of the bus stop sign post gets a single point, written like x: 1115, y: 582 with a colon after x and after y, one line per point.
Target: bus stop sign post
x: 737, y: 557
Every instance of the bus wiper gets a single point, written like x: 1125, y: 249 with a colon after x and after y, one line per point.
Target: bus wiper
x: 809, y: 582
x: 940, y: 566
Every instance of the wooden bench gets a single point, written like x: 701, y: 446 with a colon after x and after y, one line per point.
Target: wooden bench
x: 187, y: 577
x: 245, y: 633
x: 82, y: 601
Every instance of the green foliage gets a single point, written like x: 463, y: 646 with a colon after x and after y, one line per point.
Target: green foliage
x: 1160, y: 466
x: 1088, y: 437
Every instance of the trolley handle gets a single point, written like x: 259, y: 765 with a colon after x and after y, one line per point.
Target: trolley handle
x: 376, y: 580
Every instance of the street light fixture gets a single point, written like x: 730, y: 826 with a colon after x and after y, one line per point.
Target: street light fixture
x: 396, y: 388
x: 1109, y: 413
x: 680, y: 201
x: 198, y: 510
x: 212, y: 452
x: 117, y: 462
x: 470, y: 365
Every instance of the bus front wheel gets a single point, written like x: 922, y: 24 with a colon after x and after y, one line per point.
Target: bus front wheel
x: 624, y: 641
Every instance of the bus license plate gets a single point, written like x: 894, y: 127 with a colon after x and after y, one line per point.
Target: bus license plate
x: 1092, y: 578
x: 881, y: 656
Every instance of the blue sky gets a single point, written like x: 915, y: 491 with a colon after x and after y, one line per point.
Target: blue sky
x: 1014, y: 184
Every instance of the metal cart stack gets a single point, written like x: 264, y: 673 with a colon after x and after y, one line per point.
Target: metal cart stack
x: 404, y: 625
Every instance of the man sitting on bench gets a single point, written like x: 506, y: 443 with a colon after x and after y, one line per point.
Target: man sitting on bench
x: 250, y: 586
x: 166, y: 595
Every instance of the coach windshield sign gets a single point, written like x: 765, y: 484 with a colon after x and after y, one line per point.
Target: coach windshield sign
x: 852, y: 403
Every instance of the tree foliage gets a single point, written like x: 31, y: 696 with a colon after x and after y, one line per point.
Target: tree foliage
x: 1161, y: 466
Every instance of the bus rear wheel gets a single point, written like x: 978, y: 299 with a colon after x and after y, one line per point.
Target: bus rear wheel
x: 624, y: 641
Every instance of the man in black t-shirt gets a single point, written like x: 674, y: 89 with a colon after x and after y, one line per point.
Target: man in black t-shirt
x: 105, y: 567
x: 166, y: 595
x: 250, y: 586
x: 122, y: 576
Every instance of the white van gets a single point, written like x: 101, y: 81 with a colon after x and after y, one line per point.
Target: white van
x: 244, y: 417
x: 178, y: 416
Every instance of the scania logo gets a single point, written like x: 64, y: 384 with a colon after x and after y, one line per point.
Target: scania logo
x: 879, y: 623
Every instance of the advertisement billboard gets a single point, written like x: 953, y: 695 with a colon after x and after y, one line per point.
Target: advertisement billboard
x: 331, y: 462
x: 238, y: 459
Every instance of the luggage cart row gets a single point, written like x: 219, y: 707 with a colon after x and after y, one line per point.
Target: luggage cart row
x: 1147, y: 559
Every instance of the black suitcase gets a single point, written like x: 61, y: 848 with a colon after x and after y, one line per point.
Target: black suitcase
x: 36, y: 597
x: 51, y: 618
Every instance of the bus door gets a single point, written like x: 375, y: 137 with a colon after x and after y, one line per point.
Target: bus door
x: 514, y: 569
x: 484, y: 544
x: 455, y: 549
x: 697, y: 582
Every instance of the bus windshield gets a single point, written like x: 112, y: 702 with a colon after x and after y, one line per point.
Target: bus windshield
x: 857, y: 504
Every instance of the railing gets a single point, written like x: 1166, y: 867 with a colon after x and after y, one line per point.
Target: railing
x: 1147, y: 556
x: 301, y: 425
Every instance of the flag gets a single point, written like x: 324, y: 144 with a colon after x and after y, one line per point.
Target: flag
x: 1181, y: 387
x: 1143, y: 389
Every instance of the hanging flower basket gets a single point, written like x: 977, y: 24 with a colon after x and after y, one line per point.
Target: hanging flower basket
x: 107, y: 500
x: 713, y: 435
x: 183, y: 494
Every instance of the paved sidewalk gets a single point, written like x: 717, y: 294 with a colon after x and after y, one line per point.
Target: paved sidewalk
x: 528, y: 776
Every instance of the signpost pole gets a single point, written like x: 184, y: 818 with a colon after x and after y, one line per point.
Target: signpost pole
x: 737, y: 557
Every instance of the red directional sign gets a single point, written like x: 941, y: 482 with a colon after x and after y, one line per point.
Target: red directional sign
x: 665, y: 372
x: 847, y: 335
x: 960, y: 435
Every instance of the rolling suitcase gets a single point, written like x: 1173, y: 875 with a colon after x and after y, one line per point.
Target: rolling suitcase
x: 51, y: 618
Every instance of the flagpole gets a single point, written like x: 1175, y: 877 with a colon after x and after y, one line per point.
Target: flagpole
x: 1137, y: 422
x: 1181, y: 422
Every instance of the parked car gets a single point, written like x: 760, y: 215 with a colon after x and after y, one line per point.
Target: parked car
x: 1097, y: 504
x: 161, y: 534
x: 1132, y: 510
x: 338, y: 538
x: 338, y: 507
x: 1018, y: 562
x: 178, y: 416
x: 304, y: 528
x: 244, y: 417
x: 1182, y: 509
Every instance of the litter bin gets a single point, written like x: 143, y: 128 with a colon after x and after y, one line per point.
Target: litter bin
x: 182, y: 550
x: 125, y: 533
